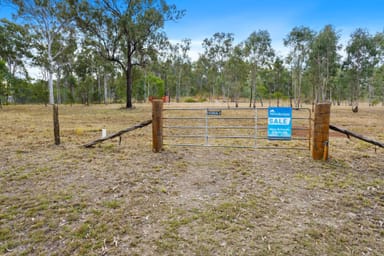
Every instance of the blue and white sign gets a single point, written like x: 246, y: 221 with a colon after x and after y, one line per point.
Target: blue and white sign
x: 279, y: 123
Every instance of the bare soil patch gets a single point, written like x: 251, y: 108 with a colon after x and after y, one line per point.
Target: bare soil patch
x: 125, y: 200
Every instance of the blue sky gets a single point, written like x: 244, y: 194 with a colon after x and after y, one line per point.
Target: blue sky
x: 205, y: 17
x: 241, y: 17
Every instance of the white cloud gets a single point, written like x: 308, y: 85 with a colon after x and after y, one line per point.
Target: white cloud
x: 35, y: 73
x: 196, y: 50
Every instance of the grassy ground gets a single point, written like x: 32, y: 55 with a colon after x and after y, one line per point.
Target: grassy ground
x: 125, y: 200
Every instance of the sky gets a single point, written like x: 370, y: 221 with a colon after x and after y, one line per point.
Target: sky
x: 203, y: 18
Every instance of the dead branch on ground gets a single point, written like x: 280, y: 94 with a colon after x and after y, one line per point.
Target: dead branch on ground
x: 358, y: 136
x: 118, y: 134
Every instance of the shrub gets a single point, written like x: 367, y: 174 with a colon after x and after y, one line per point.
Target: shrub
x: 190, y: 100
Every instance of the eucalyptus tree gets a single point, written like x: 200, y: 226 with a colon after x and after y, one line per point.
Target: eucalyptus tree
x: 180, y: 60
x: 66, y: 79
x: 217, y: 50
x: 280, y: 79
x: 164, y: 66
x: 50, y: 24
x: 60, y: 67
x: 84, y: 70
x: 361, y: 59
x: 378, y: 78
x: 14, y: 51
x: 107, y: 74
x: 201, y: 72
x: 323, y: 62
x: 64, y: 64
x: 341, y: 92
x: 94, y: 75
x: 124, y: 32
x: 155, y: 85
x: 3, y: 77
x: 15, y: 46
x: 236, y: 73
x: 299, y: 40
x: 260, y: 54
x: 378, y: 83
x: 104, y: 72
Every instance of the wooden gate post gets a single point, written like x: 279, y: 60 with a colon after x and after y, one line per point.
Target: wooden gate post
x: 157, y: 125
x: 321, y: 131
x: 56, y: 126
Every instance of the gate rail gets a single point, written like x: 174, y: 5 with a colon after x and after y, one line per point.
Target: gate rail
x: 232, y: 127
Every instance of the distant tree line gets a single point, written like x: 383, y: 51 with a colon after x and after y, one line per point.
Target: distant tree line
x: 107, y: 51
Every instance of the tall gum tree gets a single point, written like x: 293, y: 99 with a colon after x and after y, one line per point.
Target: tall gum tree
x: 180, y: 56
x: 217, y: 50
x: 323, y: 62
x: 259, y: 54
x: 3, y: 75
x: 15, y: 49
x: 299, y: 40
x: 361, y: 59
x: 125, y: 32
x: 378, y: 76
x: 49, y: 25
x: 236, y: 73
x: 15, y: 46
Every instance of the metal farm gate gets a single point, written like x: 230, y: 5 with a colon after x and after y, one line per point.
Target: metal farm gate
x: 232, y: 127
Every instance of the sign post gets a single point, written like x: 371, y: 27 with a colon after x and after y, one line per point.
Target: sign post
x: 279, y: 123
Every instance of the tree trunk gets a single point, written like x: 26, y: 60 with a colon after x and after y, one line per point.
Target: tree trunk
x: 355, y: 97
x: 128, y: 74
x: 250, y: 98
x: 146, y: 87
x: 269, y: 96
x: 178, y: 87
x: 58, y: 82
x: 166, y: 90
x: 98, y: 85
x: 254, y: 91
x: 50, y: 88
x: 382, y: 97
x: 105, y: 89
x: 370, y: 94
x: 72, y: 89
x: 253, y: 88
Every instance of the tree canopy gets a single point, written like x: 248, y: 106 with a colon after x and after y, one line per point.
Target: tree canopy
x: 117, y: 51
x: 125, y: 32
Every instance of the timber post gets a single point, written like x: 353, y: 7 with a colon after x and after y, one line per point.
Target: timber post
x: 157, y: 125
x: 320, y: 144
x: 56, y: 126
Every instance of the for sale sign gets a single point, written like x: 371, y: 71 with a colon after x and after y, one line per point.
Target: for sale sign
x: 279, y: 123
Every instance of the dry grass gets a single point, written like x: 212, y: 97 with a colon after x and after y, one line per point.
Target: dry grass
x: 125, y: 200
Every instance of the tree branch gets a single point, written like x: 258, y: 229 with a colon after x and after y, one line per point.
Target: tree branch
x: 358, y: 136
x: 118, y: 134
